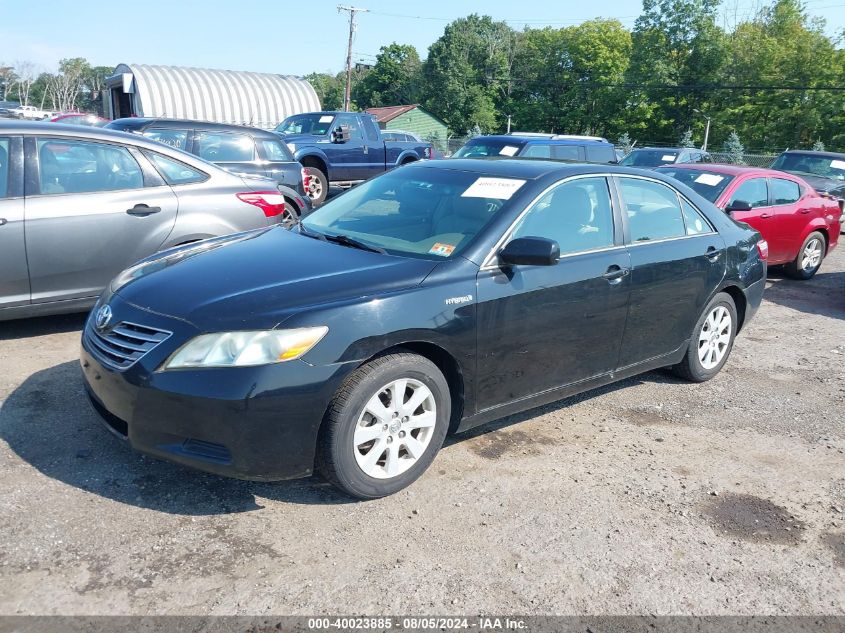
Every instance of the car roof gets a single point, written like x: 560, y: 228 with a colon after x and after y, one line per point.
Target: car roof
x: 731, y: 170
x: 526, y: 168
x: 142, y: 122
x: 510, y: 138
x: 809, y: 152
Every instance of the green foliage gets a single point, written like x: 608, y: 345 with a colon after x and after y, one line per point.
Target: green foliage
x: 329, y: 89
x: 686, y: 139
x: 734, y: 149
x: 394, y: 80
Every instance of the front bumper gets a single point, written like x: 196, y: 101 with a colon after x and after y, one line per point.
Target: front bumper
x: 257, y: 423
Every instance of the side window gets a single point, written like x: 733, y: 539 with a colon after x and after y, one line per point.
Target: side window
x: 754, y: 191
x: 695, y: 223
x: 370, y: 127
x: 537, y: 150
x: 71, y: 166
x: 4, y: 167
x: 173, y: 171
x: 352, y: 122
x: 785, y: 191
x: 276, y: 151
x: 577, y: 215
x: 600, y: 154
x: 173, y: 138
x: 568, y: 152
x: 223, y: 147
x: 654, y: 212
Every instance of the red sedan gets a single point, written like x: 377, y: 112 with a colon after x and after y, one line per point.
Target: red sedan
x: 800, y: 225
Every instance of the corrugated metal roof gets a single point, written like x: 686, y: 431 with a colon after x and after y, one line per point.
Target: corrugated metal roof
x: 223, y: 96
x: 388, y: 113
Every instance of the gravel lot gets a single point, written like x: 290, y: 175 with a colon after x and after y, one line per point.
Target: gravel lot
x: 650, y: 496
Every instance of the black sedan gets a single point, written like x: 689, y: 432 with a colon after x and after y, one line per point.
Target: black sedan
x: 429, y: 300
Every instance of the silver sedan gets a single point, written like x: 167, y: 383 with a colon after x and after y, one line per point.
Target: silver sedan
x: 78, y: 205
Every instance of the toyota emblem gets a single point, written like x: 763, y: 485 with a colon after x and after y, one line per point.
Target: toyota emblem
x: 103, y: 317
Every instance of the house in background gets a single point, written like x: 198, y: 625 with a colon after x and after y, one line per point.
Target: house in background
x: 412, y: 118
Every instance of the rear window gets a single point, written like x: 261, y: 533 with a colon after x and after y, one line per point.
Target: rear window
x: 224, y: 147
x: 649, y: 158
x: 785, y: 191
x: 707, y: 184
x: 173, y: 171
x: 276, y: 151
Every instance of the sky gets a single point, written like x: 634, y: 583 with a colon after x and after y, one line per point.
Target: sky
x: 292, y: 37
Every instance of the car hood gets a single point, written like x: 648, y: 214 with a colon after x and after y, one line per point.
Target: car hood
x: 256, y: 280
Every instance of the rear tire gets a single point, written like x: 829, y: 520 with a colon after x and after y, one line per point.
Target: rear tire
x: 318, y: 187
x: 711, y: 341
x: 809, y: 258
x: 384, y: 426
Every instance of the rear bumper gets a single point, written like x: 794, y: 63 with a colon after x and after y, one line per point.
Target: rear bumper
x: 753, y: 299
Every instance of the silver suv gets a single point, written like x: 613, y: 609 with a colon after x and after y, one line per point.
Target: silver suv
x: 78, y: 205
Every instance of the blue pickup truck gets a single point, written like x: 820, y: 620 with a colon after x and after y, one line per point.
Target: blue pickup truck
x: 343, y: 148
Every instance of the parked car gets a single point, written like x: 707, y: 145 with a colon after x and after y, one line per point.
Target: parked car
x: 648, y: 157
x: 80, y: 118
x: 29, y: 112
x: 824, y: 171
x: 344, y: 148
x: 431, y: 299
x: 236, y: 148
x: 78, y: 205
x: 6, y: 107
x: 800, y: 226
x: 591, y: 149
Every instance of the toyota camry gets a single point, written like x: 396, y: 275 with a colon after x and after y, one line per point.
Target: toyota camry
x: 429, y: 300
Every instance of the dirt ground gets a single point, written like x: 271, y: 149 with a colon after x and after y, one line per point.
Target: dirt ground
x: 652, y: 496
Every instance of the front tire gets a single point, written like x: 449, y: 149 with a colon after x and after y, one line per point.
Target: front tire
x: 318, y: 185
x: 384, y: 426
x: 809, y: 258
x: 711, y: 341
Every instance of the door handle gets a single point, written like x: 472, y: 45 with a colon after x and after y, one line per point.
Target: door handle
x: 805, y: 211
x: 765, y: 215
x: 615, y: 274
x: 712, y: 253
x: 143, y: 209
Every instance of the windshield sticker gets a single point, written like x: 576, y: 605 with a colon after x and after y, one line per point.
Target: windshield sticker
x: 444, y: 250
x: 498, y: 188
x: 837, y: 164
x: 668, y: 157
x: 326, y: 118
x: 508, y: 150
x: 709, y: 179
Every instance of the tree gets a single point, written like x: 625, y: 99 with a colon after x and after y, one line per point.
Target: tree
x: 25, y: 77
x: 624, y: 141
x: 818, y: 146
x: 7, y: 80
x: 734, y: 149
x: 394, y: 80
x: 329, y: 89
x: 686, y: 139
x: 466, y: 73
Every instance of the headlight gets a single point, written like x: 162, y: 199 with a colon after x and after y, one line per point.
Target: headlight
x: 244, y: 349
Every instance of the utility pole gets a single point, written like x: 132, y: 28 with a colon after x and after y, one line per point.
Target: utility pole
x: 352, y: 12
x: 706, y: 129
x: 509, y: 124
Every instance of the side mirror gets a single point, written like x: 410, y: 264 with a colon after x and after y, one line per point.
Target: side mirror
x: 340, y: 134
x: 738, y: 205
x: 530, y: 251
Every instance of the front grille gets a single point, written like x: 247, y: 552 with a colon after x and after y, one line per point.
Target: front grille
x: 125, y: 344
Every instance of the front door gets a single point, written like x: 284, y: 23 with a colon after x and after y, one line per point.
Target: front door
x: 677, y: 262
x: 541, y: 327
x: 761, y: 216
x: 14, y: 274
x: 89, y: 216
x: 349, y: 160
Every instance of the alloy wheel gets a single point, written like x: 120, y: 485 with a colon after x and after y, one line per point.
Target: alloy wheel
x: 395, y: 428
x: 812, y: 255
x: 715, y: 337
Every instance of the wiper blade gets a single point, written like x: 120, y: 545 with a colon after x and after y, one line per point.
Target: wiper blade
x: 348, y: 241
x: 307, y: 232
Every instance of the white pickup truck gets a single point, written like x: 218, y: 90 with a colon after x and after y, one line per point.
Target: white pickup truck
x: 29, y: 112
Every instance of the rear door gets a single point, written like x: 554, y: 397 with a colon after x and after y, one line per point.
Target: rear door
x: 233, y: 151
x: 14, y: 274
x: 793, y: 210
x: 376, y: 153
x: 279, y: 163
x: 91, y: 210
x: 677, y: 261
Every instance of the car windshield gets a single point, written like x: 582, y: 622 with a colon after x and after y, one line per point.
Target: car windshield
x: 483, y: 147
x: 824, y: 166
x: 707, y: 184
x: 424, y: 212
x: 315, y: 124
x: 649, y: 158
